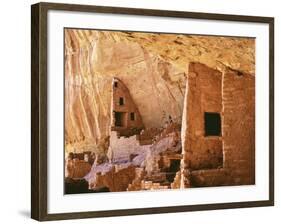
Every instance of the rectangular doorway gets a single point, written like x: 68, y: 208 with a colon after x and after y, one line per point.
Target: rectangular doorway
x: 120, y: 120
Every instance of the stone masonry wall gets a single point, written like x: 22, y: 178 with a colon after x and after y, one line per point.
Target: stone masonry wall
x: 238, y: 135
x: 203, y: 95
x: 128, y: 107
x: 238, y: 128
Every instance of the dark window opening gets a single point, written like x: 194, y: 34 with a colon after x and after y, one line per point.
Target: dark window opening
x: 212, y: 124
x: 116, y: 84
x: 132, y: 115
x: 119, y: 119
x: 121, y: 101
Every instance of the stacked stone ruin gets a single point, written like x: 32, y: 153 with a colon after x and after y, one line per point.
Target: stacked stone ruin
x: 226, y: 157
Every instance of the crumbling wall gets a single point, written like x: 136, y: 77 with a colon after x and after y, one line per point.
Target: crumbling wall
x: 123, y: 147
x: 238, y: 128
x: 147, y: 136
x: 203, y: 95
x: 116, y: 179
x: 167, y: 145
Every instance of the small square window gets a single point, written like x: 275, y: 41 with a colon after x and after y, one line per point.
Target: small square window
x: 212, y: 124
x: 121, y: 101
x: 132, y: 115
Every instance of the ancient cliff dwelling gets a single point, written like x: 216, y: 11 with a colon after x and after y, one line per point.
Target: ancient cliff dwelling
x: 126, y: 119
x: 151, y: 111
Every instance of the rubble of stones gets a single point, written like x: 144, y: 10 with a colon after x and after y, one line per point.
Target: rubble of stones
x: 157, y: 167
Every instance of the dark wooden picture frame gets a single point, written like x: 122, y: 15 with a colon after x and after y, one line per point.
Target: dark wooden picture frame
x: 39, y: 105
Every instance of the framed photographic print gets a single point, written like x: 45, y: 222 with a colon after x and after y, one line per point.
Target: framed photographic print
x: 139, y: 111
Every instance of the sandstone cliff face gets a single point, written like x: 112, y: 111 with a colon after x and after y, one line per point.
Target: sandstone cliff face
x: 152, y: 66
